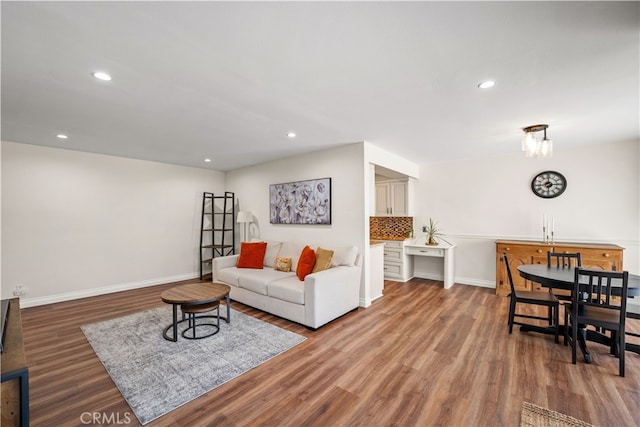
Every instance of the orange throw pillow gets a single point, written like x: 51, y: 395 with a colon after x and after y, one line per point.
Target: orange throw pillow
x: 252, y: 255
x: 305, y: 262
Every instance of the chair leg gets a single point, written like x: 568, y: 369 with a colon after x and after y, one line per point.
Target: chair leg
x: 556, y: 319
x: 574, y: 341
x: 512, y: 312
x: 566, y: 327
x: 622, y: 352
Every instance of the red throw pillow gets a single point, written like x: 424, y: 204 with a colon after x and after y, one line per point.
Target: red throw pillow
x: 305, y: 262
x: 252, y: 255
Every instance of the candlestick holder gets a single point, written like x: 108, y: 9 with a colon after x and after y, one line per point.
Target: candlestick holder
x: 552, y: 237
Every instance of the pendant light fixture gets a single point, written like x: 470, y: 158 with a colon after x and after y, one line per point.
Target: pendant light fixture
x: 534, y: 147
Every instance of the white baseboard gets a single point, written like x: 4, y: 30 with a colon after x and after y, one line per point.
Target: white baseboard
x: 460, y: 280
x: 476, y: 282
x: 68, y: 296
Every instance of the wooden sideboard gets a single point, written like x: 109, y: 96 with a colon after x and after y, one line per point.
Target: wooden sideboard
x: 15, y: 373
x: 519, y: 252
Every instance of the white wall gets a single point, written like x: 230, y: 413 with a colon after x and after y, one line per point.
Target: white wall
x: 78, y: 224
x: 479, y: 201
x: 345, y: 168
x: 349, y: 218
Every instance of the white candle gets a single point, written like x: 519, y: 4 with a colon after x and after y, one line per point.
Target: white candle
x: 553, y: 224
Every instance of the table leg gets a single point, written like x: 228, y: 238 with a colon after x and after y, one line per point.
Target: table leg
x: 173, y: 326
x: 228, y: 309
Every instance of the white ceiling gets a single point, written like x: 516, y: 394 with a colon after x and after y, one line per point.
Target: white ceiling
x: 228, y: 80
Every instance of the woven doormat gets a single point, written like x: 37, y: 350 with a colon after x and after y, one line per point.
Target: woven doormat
x: 536, y: 416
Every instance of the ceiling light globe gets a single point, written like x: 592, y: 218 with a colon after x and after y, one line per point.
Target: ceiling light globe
x: 487, y: 84
x: 101, y: 75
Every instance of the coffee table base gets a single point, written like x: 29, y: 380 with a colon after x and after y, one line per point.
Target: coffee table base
x: 193, y: 296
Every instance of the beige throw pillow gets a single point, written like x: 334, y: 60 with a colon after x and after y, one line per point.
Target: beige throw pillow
x: 323, y: 260
x: 282, y: 264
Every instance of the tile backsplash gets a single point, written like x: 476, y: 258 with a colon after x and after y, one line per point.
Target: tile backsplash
x: 390, y: 226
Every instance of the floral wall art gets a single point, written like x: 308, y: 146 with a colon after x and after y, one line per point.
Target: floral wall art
x: 301, y: 202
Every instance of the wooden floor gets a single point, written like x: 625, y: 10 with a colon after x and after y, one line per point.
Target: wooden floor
x: 419, y: 356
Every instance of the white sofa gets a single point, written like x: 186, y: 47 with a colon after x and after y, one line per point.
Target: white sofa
x: 320, y: 298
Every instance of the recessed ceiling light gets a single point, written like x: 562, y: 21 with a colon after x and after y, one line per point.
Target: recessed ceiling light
x: 62, y: 136
x: 101, y: 75
x: 487, y: 84
x: 291, y: 134
x: 207, y: 160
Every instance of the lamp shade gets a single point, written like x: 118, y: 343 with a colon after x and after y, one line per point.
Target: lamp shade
x: 546, y: 148
x: 244, y: 216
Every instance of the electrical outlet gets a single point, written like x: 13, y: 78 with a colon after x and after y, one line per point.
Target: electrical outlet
x: 424, y: 228
x: 19, y: 290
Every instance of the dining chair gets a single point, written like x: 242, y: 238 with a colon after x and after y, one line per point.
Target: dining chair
x: 563, y: 260
x: 545, y: 299
x: 633, y: 312
x: 593, y: 303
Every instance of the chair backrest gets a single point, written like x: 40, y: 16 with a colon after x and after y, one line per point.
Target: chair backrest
x: 596, y: 287
x: 509, y: 276
x: 564, y: 260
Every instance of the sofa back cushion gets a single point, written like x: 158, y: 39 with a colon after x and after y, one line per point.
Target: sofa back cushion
x: 251, y: 255
x: 273, y: 248
x: 345, y: 255
x: 305, y: 262
x: 291, y: 250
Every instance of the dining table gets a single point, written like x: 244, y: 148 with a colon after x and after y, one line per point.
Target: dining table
x: 563, y: 278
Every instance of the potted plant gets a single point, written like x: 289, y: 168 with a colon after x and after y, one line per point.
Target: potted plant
x: 433, y: 232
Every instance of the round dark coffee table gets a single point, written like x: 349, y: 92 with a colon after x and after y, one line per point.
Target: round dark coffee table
x: 192, y: 295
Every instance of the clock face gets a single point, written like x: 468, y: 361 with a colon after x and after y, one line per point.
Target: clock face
x: 548, y: 184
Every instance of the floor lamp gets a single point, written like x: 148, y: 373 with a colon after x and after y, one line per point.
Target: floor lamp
x: 244, y: 219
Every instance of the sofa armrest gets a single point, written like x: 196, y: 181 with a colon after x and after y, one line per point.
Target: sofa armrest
x: 331, y: 293
x: 223, y: 262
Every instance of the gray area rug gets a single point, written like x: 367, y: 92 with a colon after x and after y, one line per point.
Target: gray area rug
x: 156, y: 376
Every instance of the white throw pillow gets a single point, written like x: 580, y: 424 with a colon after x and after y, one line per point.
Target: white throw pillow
x: 345, y: 255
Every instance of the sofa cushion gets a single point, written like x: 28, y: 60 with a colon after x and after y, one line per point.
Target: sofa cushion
x: 305, y: 262
x: 257, y: 280
x: 323, y: 260
x: 345, y: 255
x: 291, y: 250
x: 283, y: 264
x: 273, y: 248
x: 290, y: 289
x: 229, y: 275
x: 252, y: 255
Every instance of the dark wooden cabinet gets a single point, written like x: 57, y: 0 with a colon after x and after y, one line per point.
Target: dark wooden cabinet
x: 519, y: 252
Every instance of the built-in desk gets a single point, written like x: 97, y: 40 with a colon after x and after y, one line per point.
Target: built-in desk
x: 442, y: 250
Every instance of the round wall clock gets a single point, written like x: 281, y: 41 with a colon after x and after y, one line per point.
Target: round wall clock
x: 548, y: 184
